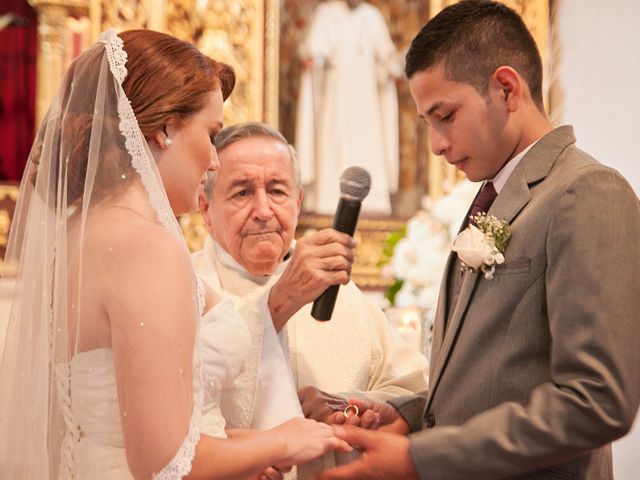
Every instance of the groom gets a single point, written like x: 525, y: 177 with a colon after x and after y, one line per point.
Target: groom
x: 535, y: 371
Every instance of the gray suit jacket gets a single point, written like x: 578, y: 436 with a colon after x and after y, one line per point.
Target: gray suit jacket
x: 539, y: 368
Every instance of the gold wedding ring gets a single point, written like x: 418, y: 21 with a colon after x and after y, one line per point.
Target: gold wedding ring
x: 351, y: 408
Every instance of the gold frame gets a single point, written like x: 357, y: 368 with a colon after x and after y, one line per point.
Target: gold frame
x: 254, y: 26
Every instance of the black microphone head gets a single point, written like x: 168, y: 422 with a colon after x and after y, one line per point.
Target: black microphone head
x: 355, y: 183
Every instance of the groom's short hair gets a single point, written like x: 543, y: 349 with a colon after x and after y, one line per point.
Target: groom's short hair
x: 471, y: 39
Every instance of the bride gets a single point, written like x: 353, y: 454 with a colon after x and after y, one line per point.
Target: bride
x: 101, y: 376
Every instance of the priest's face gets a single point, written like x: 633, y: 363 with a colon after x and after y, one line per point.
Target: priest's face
x: 471, y: 130
x: 254, y: 206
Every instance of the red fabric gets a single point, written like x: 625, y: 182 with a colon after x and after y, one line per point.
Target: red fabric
x: 18, y: 47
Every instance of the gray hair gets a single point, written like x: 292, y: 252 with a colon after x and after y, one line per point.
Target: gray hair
x: 235, y: 133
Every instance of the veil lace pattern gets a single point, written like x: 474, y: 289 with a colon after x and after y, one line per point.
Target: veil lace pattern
x: 91, y: 159
x: 134, y: 141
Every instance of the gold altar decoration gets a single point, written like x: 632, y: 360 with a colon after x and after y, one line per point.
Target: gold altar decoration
x: 370, y: 235
x: 243, y: 33
x: 54, y: 20
x: 8, y: 199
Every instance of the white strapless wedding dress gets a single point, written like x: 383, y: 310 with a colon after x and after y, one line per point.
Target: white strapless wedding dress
x: 94, y: 447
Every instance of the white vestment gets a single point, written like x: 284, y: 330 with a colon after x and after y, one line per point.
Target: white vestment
x: 357, y: 351
x: 348, y: 106
x: 264, y: 394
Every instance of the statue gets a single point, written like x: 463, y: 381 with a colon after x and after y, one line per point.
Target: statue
x: 348, y: 106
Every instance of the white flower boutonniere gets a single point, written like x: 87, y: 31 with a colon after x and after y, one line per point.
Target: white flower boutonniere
x: 482, y: 247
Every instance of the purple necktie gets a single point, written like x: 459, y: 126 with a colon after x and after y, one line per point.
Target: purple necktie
x: 482, y: 202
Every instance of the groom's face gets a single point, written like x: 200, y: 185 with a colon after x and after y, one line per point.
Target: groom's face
x: 470, y: 129
x: 254, y: 206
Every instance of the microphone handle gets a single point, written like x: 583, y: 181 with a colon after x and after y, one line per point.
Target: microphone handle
x: 345, y: 221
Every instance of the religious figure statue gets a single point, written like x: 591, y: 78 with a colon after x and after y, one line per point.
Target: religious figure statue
x: 348, y: 106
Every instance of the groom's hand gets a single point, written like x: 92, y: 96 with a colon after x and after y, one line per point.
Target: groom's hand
x: 384, y: 455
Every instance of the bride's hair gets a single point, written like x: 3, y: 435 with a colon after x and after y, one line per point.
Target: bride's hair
x: 167, y: 79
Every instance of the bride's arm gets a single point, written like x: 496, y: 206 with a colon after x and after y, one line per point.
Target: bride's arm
x: 296, y: 441
x: 150, y: 297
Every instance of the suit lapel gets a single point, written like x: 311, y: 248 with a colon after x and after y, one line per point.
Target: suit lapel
x: 441, y: 356
x: 440, y: 317
x: 513, y: 197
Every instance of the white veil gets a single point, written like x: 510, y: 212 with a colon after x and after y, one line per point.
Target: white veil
x: 89, y: 160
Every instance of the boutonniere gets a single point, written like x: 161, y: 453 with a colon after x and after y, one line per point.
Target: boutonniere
x: 482, y: 246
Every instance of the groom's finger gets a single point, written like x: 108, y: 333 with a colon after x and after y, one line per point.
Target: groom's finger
x: 359, y: 437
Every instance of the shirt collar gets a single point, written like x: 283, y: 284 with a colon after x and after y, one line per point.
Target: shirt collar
x: 505, y: 172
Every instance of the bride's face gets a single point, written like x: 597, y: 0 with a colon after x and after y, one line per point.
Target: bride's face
x: 183, y: 164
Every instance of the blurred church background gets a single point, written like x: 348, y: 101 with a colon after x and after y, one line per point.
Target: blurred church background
x: 592, y: 71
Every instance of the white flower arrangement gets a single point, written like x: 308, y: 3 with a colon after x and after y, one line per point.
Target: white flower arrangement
x: 482, y: 246
x: 417, y: 256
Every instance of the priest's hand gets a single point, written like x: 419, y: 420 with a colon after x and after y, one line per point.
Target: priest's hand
x: 372, y: 415
x: 319, y: 405
x: 334, y: 409
x: 319, y: 260
x: 384, y: 455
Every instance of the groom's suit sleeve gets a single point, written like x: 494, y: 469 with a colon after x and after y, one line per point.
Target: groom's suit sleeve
x: 590, y: 306
x: 411, y: 408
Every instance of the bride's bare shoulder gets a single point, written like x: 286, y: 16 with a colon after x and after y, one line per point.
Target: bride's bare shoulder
x: 121, y: 235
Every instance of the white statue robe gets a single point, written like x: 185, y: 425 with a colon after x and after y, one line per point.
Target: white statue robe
x: 348, y: 106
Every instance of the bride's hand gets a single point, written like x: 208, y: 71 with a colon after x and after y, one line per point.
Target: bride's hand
x: 305, y: 440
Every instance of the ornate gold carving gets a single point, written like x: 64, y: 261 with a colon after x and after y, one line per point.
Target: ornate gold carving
x: 52, y: 18
x: 370, y: 235
x: 8, y: 199
x: 271, y: 61
x: 9, y: 192
x: 124, y: 14
x: 234, y: 33
x: 194, y: 230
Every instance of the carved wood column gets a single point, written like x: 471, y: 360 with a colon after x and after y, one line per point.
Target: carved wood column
x: 52, y: 28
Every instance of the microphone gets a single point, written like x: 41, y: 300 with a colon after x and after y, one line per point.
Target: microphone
x: 355, y: 184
